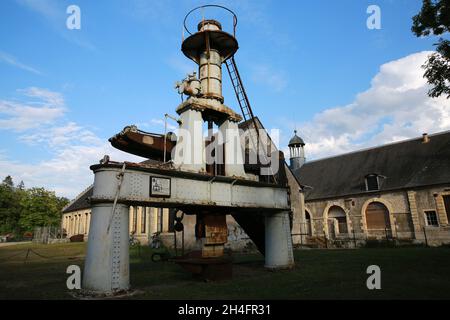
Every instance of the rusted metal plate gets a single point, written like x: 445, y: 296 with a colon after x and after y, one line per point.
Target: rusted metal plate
x: 212, y: 251
x: 222, y: 41
x: 143, y: 144
x: 216, y: 231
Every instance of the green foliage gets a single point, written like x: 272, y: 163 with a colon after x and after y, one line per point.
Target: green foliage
x: 10, y: 209
x: 21, y: 209
x: 434, y: 19
x: 8, y: 182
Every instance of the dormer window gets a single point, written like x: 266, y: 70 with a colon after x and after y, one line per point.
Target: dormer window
x: 372, y: 182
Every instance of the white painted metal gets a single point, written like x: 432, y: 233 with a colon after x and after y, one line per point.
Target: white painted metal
x: 234, y: 161
x: 190, y: 147
x: 279, y: 254
x: 136, y: 188
x: 106, y: 269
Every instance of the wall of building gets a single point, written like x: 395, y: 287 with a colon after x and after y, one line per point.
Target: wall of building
x: 406, y: 215
x: 145, y: 222
x: 299, y: 231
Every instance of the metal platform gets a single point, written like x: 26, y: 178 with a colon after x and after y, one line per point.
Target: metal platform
x: 185, y: 189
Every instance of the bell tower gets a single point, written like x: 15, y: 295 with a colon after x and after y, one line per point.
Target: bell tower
x: 297, y: 152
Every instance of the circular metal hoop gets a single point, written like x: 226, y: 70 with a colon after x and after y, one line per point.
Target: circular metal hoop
x: 215, y: 6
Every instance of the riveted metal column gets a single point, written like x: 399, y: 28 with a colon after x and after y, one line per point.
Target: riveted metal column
x: 279, y: 254
x: 106, y: 268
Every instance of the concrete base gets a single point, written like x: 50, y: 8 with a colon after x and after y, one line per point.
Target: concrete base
x: 106, y: 267
x: 279, y: 254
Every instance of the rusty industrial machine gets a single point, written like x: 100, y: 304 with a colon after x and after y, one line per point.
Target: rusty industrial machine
x: 209, y: 177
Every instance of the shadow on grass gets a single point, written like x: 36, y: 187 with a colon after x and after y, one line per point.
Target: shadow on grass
x: 407, y: 273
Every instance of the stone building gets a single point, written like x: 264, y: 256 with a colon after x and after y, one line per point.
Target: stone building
x: 143, y: 221
x: 395, y: 191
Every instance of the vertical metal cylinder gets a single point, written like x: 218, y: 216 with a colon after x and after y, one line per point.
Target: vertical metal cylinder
x: 106, y: 268
x: 189, y: 152
x: 279, y: 254
x: 234, y: 158
x: 210, y: 73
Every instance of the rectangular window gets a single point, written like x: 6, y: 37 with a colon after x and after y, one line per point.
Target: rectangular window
x: 172, y: 213
x: 134, y: 228
x: 372, y: 183
x: 447, y: 206
x: 144, y: 220
x: 160, y: 220
x: 431, y: 217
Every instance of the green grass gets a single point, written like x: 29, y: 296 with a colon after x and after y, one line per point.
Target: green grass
x: 407, y: 273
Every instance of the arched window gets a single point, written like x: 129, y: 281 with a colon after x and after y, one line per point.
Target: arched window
x: 337, y: 221
x: 134, y: 220
x: 308, y: 223
x: 377, y: 217
x: 144, y: 220
x: 77, y: 226
x: 86, y: 223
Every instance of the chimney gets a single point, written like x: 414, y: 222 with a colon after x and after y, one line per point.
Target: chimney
x: 425, y: 138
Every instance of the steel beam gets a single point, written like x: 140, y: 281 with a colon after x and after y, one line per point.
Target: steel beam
x: 186, y: 191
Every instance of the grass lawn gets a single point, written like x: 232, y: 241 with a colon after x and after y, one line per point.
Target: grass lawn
x: 415, y: 273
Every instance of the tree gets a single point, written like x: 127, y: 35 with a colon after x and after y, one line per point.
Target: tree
x: 21, y: 185
x: 10, y: 208
x: 434, y: 18
x: 8, y: 181
x: 24, y: 209
x: 41, y: 207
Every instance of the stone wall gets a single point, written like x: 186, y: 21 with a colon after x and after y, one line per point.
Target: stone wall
x: 406, y: 215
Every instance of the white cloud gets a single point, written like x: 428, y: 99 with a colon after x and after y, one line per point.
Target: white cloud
x: 395, y: 107
x: 62, y: 136
x: 11, y: 60
x: 66, y: 172
x: 46, y: 107
x: 38, y: 120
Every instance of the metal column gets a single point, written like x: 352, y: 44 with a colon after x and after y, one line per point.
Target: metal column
x: 106, y: 268
x: 279, y: 254
x: 234, y: 160
x: 190, y: 148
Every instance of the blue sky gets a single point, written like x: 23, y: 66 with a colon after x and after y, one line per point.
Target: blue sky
x: 310, y: 65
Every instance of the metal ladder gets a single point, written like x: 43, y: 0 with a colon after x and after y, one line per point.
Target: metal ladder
x: 239, y: 90
x: 243, y: 101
